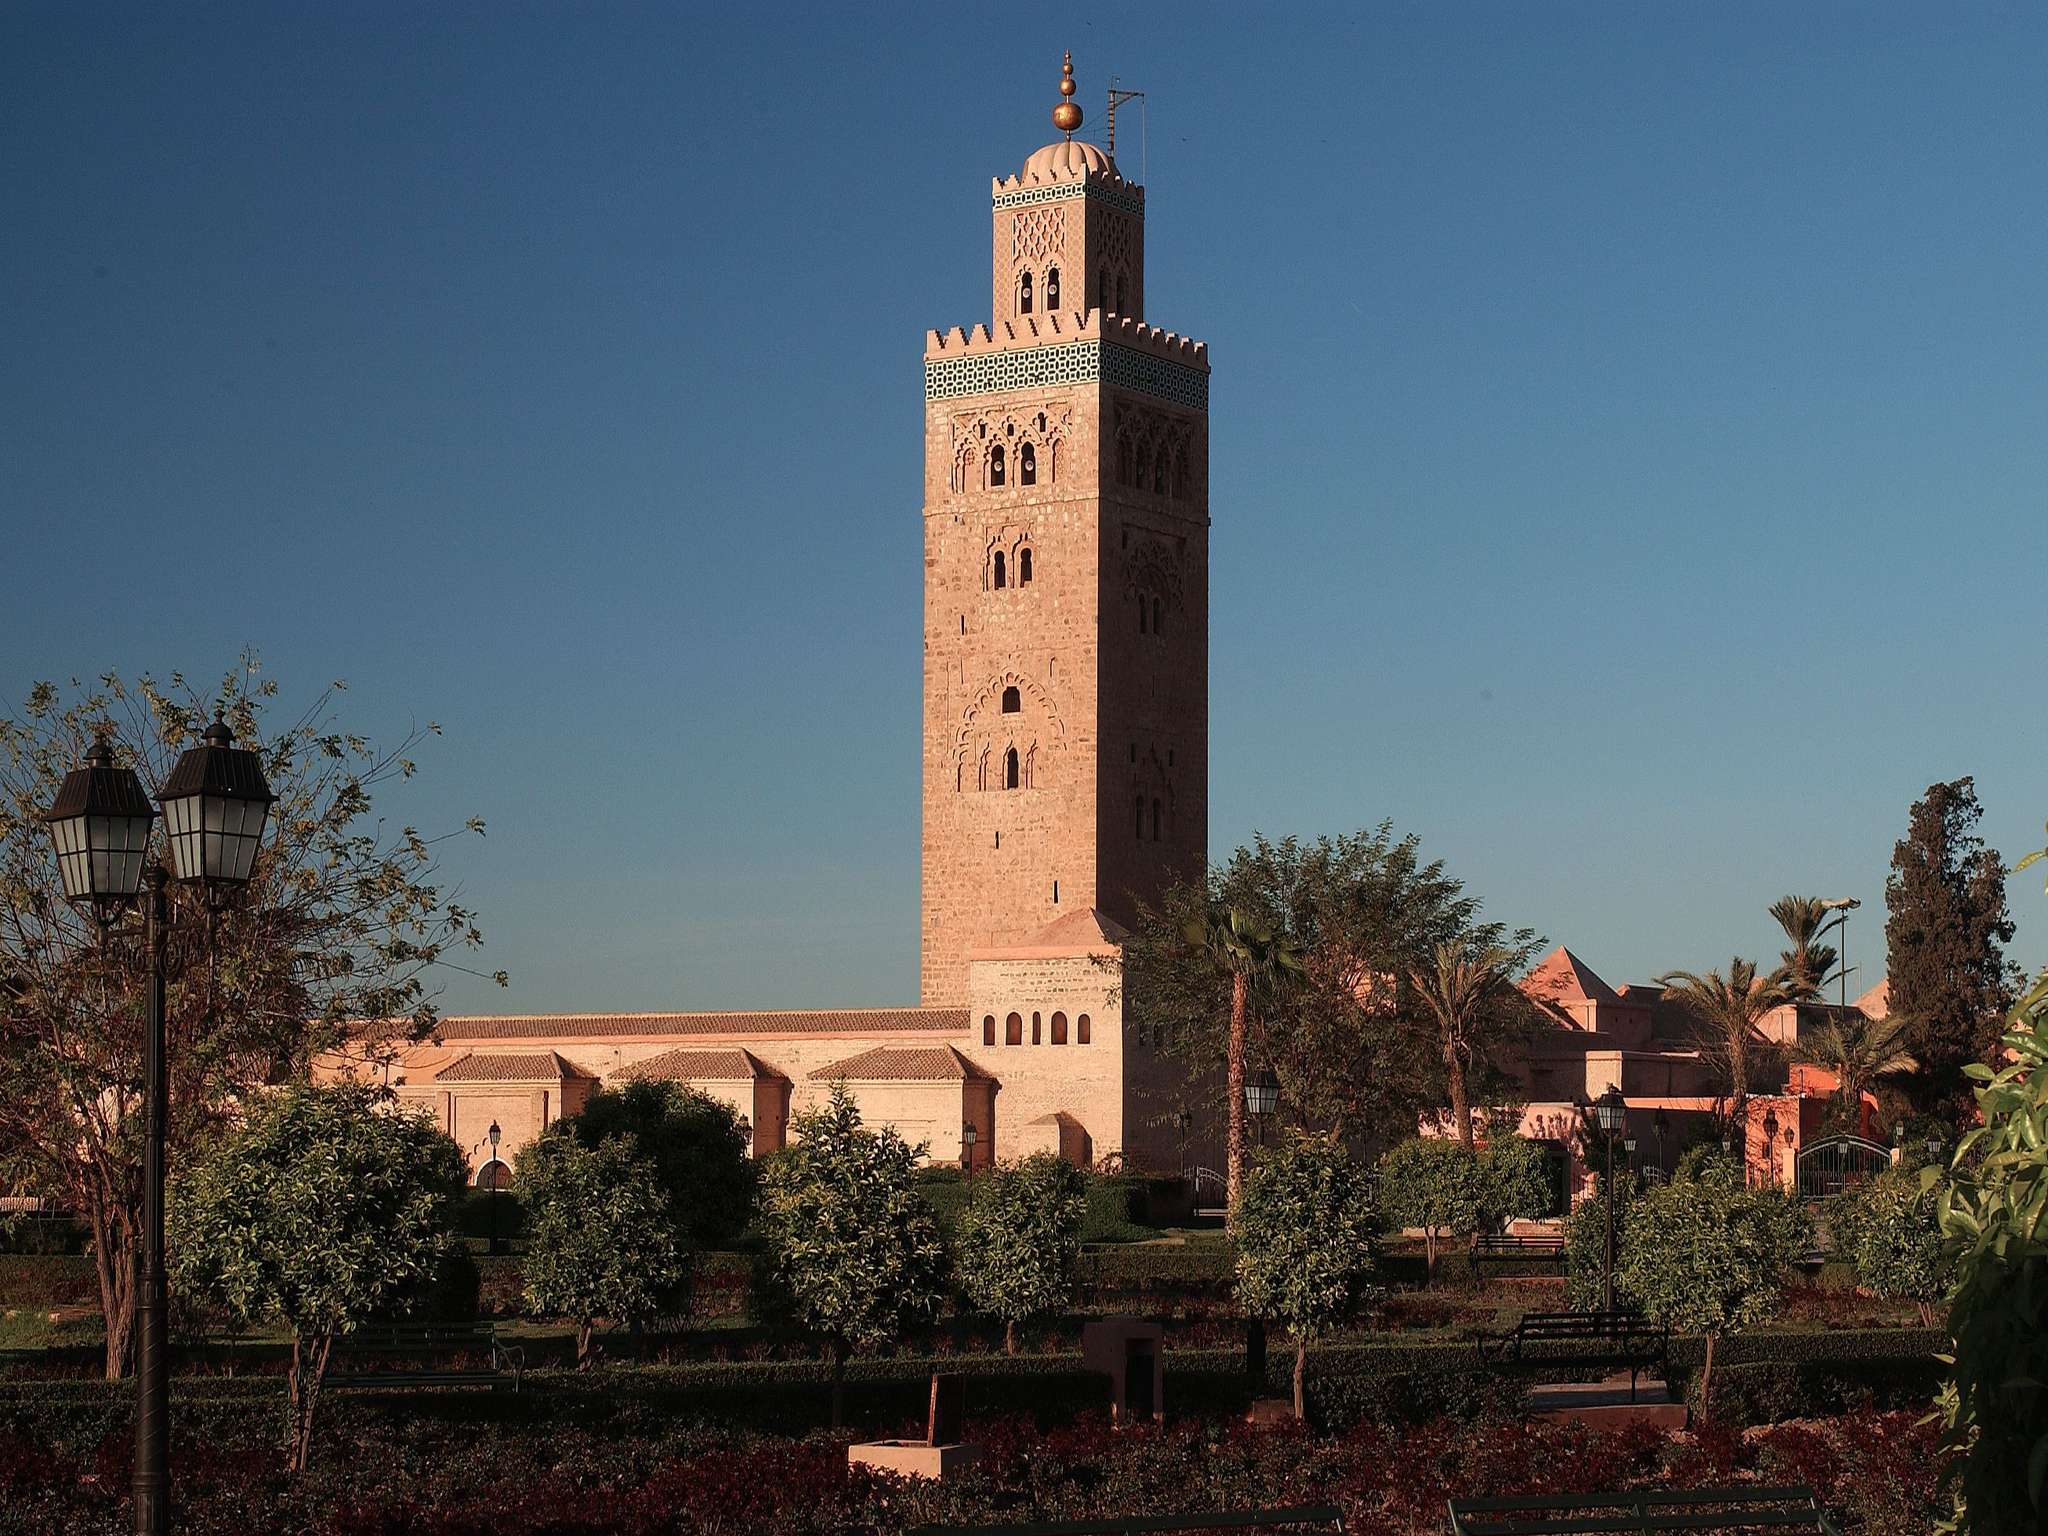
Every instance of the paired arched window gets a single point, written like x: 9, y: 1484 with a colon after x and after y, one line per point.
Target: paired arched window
x: 995, y: 465
x: 1059, y: 1029
x: 1012, y: 701
x: 1013, y: 1029
x: 988, y: 1029
x: 1024, y: 559
x: 1024, y: 293
x: 1052, y: 288
x: 1010, y: 779
x: 1027, y: 465
x: 1081, y: 1030
x: 1002, y: 568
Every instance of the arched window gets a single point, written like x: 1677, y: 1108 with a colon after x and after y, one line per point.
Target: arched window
x: 1024, y: 294
x: 1012, y: 701
x: 1158, y: 617
x: 995, y: 465
x: 1010, y: 769
x: 1155, y: 820
x: 1081, y: 1030
x: 1027, y: 465
x: 1161, y: 470
x: 1013, y: 1029
x: 988, y: 1029
x: 1138, y: 819
x: 1052, y: 289
x: 1024, y: 556
x: 494, y: 1175
x: 1002, y: 570
x: 1036, y: 1032
x: 1059, y: 1029
x: 1102, y: 289
x: 1141, y: 613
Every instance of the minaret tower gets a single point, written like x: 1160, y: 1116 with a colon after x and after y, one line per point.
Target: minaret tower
x: 1066, y: 599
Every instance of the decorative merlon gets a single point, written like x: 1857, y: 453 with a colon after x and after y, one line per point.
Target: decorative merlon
x: 1066, y: 325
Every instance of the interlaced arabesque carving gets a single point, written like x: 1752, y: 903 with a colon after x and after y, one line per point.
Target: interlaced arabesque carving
x: 1117, y: 257
x: 1155, y: 451
x: 977, y: 434
x: 986, y: 736
x: 1038, y: 232
x: 1150, y: 568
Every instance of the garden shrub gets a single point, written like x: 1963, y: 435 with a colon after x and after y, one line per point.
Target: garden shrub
x: 1585, y: 1245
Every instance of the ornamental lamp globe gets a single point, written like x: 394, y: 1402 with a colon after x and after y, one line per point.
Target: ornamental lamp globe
x: 100, y: 825
x: 1610, y: 1111
x: 215, y: 803
x: 1262, y: 1092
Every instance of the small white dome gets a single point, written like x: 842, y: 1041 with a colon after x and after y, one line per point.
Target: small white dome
x: 1065, y: 159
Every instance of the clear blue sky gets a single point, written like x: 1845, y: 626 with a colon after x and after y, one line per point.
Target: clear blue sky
x: 1629, y: 442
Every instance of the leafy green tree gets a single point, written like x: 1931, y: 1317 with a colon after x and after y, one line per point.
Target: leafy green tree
x: 1728, y: 1013
x: 1020, y: 1239
x: 696, y: 1148
x: 1944, y: 936
x: 1861, y: 1052
x: 1470, y: 1008
x: 1809, y: 965
x: 1898, y: 1248
x: 1514, y: 1180
x: 322, y: 1208
x: 1585, y: 1244
x: 1709, y: 1256
x: 1256, y: 960
x: 601, y: 1235
x: 1995, y: 1215
x: 1307, y: 1239
x: 1435, y: 1184
x: 335, y: 944
x: 851, y: 1254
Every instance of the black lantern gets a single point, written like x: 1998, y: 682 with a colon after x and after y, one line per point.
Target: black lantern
x: 1262, y: 1092
x: 1933, y: 1148
x: 215, y: 803
x: 1628, y: 1145
x: 100, y: 824
x: 1610, y: 1111
x: 495, y: 1133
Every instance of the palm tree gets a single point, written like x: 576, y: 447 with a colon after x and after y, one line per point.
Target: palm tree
x: 1462, y: 988
x: 1809, y: 964
x: 1729, y: 1011
x: 1238, y: 945
x: 1858, y: 1050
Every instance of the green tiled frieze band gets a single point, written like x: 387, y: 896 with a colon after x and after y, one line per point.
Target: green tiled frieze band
x: 1102, y: 192
x: 1068, y: 362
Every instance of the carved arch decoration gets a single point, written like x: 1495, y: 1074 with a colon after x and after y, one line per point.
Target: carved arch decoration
x: 1151, y: 568
x: 977, y: 434
x: 1036, y: 233
x: 987, y: 735
x: 1155, y: 452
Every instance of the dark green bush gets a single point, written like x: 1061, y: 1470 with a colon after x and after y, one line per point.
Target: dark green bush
x: 477, y: 1215
x: 40, y: 1234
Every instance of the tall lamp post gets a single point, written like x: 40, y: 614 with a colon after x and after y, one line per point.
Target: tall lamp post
x: 1610, y: 1113
x: 497, y: 1178
x: 214, y: 806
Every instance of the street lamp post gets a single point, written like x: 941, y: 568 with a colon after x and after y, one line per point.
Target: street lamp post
x: 969, y: 1136
x: 1610, y: 1112
x: 214, y: 806
x: 496, y: 1180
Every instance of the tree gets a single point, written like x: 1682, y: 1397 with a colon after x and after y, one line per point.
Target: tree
x: 1436, y: 1184
x: 1898, y: 1246
x: 1585, y: 1243
x: 851, y: 1254
x: 1992, y: 1214
x: 1514, y: 1180
x: 322, y: 1208
x: 1307, y: 1240
x: 693, y: 1144
x: 1944, y: 939
x: 1469, y: 998
x: 1707, y: 1255
x: 341, y: 924
x: 1255, y: 959
x: 602, y: 1239
x: 1728, y: 1013
x: 1809, y: 965
x: 1020, y: 1239
x: 1859, y: 1051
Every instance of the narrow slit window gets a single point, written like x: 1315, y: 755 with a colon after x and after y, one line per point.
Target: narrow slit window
x: 1081, y: 1030
x: 1141, y: 613
x: 988, y: 1029
x: 1024, y: 555
x: 1155, y: 821
x: 1052, y: 289
x: 1024, y: 294
x: 1138, y: 819
x: 1027, y: 465
x: 1158, y: 617
x: 1036, y: 1031
x: 995, y: 465
x: 1002, y: 568
x: 1010, y: 769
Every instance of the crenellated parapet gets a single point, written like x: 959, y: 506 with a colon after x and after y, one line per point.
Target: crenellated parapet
x: 1053, y: 185
x: 1066, y: 326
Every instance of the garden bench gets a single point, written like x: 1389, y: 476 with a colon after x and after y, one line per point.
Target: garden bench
x: 427, y: 1340
x: 1518, y: 1248
x: 1318, y: 1516
x: 1544, y: 1339
x: 1702, y: 1510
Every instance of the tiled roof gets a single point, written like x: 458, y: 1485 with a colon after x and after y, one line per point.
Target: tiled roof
x: 829, y: 1021
x: 702, y: 1066
x: 509, y: 1067
x: 902, y: 1064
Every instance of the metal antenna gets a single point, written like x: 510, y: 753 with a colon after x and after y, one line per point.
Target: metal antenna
x: 1116, y: 98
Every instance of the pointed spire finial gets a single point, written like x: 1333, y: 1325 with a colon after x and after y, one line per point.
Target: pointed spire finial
x: 1067, y: 116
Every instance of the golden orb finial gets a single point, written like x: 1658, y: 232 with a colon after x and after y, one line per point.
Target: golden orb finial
x: 1066, y: 116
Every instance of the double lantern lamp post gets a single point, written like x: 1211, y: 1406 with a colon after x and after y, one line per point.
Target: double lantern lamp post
x: 214, y: 804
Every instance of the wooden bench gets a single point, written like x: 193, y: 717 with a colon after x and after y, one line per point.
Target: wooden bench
x: 1723, y: 1510
x: 1320, y: 1516
x: 1545, y: 1339
x: 1518, y: 1248
x: 415, y: 1341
